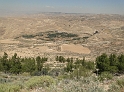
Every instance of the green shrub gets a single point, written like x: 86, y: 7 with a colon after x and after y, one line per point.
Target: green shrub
x: 105, y: 75
x: 114, y: 88
x: 121, y: 83
x: 37, y: 81
x: 82, y: 71
x: 28, y: 36
x: 82, y: 85
x: 9, y: 88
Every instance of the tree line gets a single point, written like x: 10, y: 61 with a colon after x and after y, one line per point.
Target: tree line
x: 17, y: 65
x: 112, y: 63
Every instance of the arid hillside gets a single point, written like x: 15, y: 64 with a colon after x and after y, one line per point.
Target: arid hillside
x: 52, y: 34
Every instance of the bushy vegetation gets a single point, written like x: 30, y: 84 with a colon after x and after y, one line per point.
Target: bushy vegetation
x: 77, y: 75
x: 39, y: 81
x: 28, y: 36
x: 9, y: 87
x: 17, y: 65
x: 113, y: 64
x: 105, y: 65
x: 89, y: 84
x: 50, y: 84
x: 25, y: 83
x: 61, y: 35
x: 53, y: 36
x: 120, y: 82
x: 78, y: 67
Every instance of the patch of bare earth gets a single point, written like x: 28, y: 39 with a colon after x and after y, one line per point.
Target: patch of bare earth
x: 9, y: 41
x: 75, y: 48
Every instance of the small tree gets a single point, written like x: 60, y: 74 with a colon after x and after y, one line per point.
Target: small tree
x: 103, y: 63
x: 61, y: 59
x: 68, y: 60
x: 16, y: 66
x: 57, y: 58
x: 28, y: 65
x: 5, y: 63
x: 121, y: 63
x: 39, y: 64
x: 113, y: 60
x: 69, y: 67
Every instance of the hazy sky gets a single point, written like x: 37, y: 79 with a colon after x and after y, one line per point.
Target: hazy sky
x: 68, y: 6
